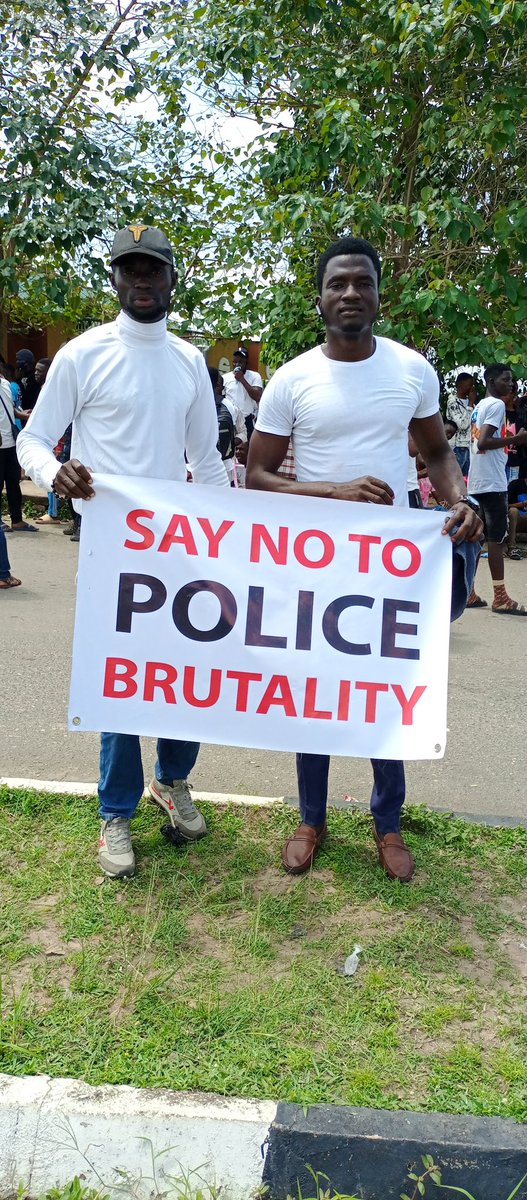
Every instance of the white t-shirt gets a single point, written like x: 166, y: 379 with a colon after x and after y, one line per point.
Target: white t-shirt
x: 139, y: 398
x: 487, y: 469
x: 348, y: 419
x: 235, y: 392
x: 5, y: 420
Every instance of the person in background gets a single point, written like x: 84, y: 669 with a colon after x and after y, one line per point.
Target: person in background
x: 515, y: 419
x: 7, y: 580
x: 244, y: 388
x: 487, y: 482
x: 9, y: 467
x: 451, y: 431
x: 26, y: 379
x: 52, y: 515
x: 459, y: 409
x: 140, y: 401
x: 7, y: 372
x: 231, y: 425
x: 517, y: 502
x: 41, y: 370
x: 415, y: 499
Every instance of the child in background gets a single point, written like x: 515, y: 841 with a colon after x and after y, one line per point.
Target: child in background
x: 429, y: 497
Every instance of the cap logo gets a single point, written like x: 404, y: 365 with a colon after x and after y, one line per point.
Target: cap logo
x: 137, y: 230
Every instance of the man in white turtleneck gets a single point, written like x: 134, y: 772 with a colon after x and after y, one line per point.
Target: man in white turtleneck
x: 139, y: 399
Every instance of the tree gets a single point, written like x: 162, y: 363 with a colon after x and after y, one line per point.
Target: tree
x: 77, y: 154
x: 401, y: 120
x: 97, y: 130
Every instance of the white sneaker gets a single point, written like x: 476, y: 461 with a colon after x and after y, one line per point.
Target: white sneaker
x: 177, y: 804
x: 116, y: 856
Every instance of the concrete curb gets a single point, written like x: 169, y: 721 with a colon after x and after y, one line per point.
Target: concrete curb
x: 70, y: 788
x: 368, y: 1152
x: 54, y: 1129
x: 63, y: 787
x: 146, y: 1142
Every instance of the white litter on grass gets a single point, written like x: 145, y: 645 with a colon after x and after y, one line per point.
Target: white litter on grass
x: 352, y: 961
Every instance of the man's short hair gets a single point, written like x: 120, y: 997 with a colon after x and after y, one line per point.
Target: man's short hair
x: 46, y: 361
x: 347, y: 245
x: 449, y: 421
x: 214, y: 375
x: 494, y: 370
x: 463, y: 375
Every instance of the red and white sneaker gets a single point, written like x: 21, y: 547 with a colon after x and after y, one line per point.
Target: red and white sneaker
x: 177, y: 804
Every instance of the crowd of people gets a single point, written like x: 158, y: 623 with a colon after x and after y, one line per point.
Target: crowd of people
x: 326, y: 423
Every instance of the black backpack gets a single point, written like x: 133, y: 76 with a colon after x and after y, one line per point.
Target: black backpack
x: 226, y: 443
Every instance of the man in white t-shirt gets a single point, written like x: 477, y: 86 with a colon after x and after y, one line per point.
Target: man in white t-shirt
x: 244, y: 388
x: 140, y: 399
x: 348, y: 405
x: 487, y: 481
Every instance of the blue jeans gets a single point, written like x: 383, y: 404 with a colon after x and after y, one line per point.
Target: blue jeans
x: 5, y: 569
x: 462, y: 454
x: 387, y: 798
x: 122, y: 782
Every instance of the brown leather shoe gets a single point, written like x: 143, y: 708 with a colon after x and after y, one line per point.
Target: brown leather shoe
x: 299, y: 851
x: 394, y: 856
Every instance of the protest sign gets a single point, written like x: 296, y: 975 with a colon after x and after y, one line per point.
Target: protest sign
x: 258, y: 619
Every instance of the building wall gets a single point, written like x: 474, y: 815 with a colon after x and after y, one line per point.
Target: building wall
x: 43, y: 343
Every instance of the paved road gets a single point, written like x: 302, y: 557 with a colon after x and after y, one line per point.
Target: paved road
x: 483, y: 771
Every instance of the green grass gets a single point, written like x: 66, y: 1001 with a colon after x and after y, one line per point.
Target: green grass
x: 213, y: 970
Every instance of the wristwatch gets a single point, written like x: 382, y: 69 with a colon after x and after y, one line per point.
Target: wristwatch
x: 473, y: 504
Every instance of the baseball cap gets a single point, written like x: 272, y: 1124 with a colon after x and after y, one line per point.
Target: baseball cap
x: 138, y: 238
x: 25, y: 358
x: 242, y: 352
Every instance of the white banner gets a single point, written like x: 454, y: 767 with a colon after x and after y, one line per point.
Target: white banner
x: 254, y: 619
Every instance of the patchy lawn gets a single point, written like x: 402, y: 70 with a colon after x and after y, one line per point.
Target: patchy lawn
x: 213, y: 970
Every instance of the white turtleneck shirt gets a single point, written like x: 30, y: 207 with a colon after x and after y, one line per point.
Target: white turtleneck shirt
x: 139, y: 399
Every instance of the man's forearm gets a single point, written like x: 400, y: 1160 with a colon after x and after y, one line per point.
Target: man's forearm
x: 37, y: 458
x: 485, y: 444
x: 252, y: 389
x: 269, y: 481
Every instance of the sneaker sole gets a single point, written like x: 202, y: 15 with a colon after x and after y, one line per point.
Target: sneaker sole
x: 158, y: 803
x: 126, y: 874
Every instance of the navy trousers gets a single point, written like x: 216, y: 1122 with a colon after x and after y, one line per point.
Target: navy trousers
x: 387, y: 798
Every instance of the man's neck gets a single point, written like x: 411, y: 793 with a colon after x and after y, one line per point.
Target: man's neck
x: 349, y: 347
x: 146, y: 320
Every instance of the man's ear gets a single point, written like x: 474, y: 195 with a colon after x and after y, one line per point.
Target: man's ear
x: 173, y: 279
x: 111, y: 277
